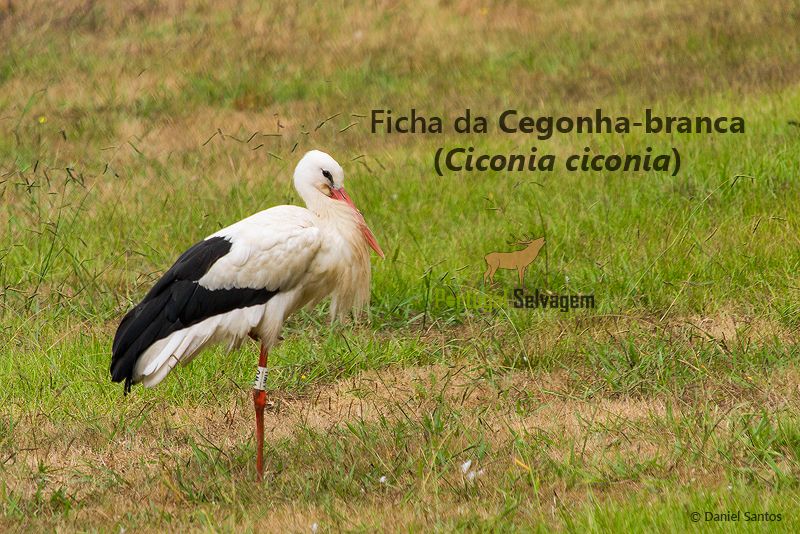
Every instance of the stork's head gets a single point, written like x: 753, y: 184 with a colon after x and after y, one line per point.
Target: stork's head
x: 320, y: 179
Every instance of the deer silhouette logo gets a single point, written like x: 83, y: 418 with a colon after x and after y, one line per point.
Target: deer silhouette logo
x: 519, y: 260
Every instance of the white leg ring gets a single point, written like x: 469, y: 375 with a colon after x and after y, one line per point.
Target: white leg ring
x: 261, y: 379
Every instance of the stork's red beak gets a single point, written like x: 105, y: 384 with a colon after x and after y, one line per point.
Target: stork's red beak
x: 341, y: 194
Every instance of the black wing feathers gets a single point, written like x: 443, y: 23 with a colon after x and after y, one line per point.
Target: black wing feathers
x: 175, y: 302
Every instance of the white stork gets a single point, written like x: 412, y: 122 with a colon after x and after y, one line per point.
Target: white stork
x: 246, y: 279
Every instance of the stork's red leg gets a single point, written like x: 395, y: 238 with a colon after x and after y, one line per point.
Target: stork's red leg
x: 259, y: 401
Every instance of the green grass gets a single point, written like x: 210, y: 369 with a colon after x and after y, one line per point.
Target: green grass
x: 128, y: 133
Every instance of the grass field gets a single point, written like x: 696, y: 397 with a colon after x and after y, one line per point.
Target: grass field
x: 128, y: 133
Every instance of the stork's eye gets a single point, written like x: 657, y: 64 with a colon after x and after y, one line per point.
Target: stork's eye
x: 327, y: 174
